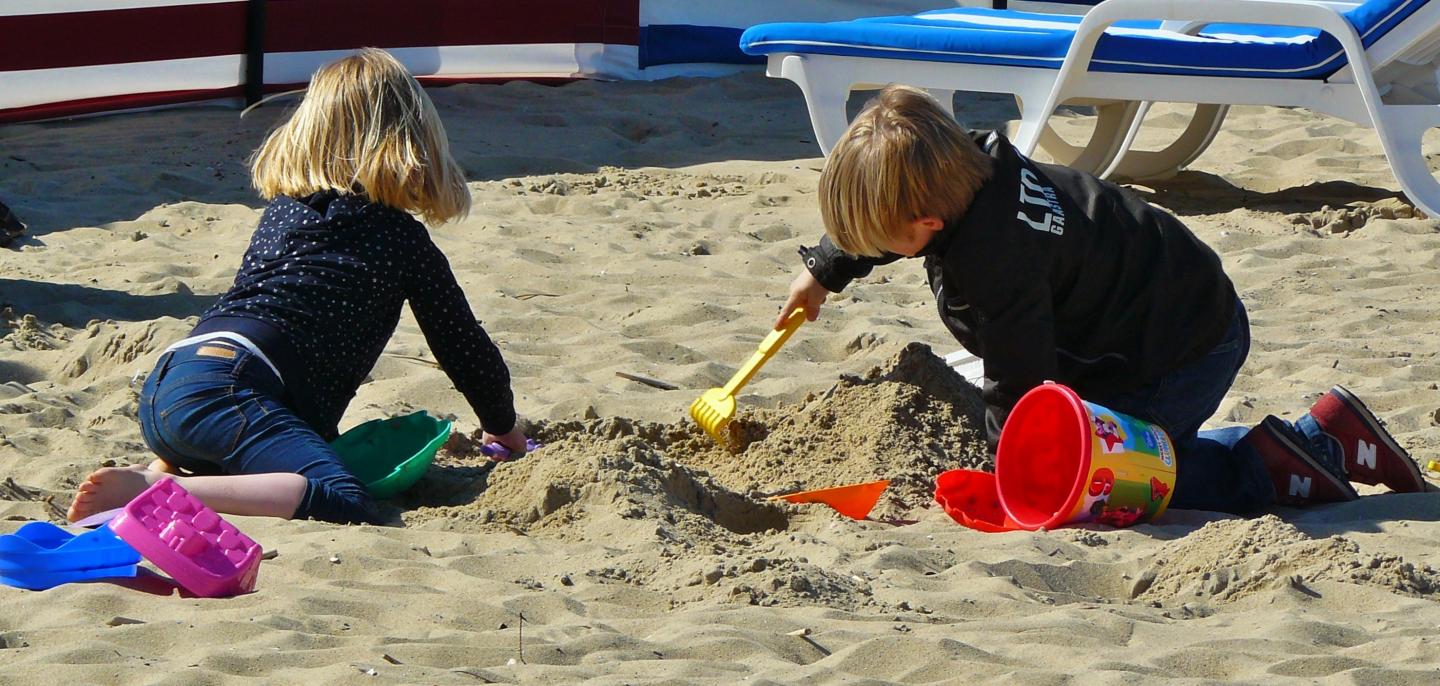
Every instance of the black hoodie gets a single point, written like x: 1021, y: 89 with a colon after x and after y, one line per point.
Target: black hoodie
x: 1053, y: 274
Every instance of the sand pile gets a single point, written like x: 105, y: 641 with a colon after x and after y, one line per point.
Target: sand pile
x: 1228, y: 561
x: 906, y: 420
x: 1354, y: 216
x: 664, y: 525
x: 26, y: 332
x: 678, y: 512
x: 591, y: 474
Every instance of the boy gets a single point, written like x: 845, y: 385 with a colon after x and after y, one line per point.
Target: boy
x: 1048, y: 273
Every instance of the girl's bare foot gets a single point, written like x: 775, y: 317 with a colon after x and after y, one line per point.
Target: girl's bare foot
x: 109, y: 488
x: 160, y: 465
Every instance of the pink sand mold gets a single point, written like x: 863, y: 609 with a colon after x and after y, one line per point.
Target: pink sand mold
x: 201, y: 551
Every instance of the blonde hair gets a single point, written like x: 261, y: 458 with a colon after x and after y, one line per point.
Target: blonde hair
x: 902, y: 158
x: 365, y: 126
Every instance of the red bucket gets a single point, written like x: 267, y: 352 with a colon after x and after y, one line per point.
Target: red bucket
x: 1063, y: 460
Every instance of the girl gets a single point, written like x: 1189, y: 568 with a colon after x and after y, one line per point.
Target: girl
x: 247, y: 403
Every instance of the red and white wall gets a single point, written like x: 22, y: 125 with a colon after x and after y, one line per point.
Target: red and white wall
x: 63, y: 57
x: 66, y: 57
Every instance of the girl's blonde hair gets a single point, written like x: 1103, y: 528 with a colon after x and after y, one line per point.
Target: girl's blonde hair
x: 365, y: 126
x: 902, y: 158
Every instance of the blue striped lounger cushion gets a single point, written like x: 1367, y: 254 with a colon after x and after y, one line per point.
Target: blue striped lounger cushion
x: 1029, y: 39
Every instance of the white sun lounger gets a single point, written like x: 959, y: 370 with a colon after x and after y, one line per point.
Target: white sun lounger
x: 1372, y: 63
x: 968, y: 366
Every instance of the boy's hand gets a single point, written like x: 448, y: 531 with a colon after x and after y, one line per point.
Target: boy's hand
x: 513, y: 441
x: 805, y: 292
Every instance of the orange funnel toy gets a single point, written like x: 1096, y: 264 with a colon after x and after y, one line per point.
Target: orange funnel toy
x: 854, y: 501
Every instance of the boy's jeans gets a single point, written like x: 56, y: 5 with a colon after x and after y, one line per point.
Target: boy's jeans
x: 219, y: 413
x: 1214, y: 469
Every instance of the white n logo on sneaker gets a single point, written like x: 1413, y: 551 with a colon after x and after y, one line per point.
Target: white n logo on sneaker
x: 1365, y: 454
x: 1300, y: 486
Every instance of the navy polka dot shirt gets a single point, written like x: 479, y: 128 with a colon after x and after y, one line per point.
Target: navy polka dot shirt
x: 320, y: 292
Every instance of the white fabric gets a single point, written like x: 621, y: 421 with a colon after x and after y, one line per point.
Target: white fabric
x: 459, y: 61
x: 15, y: 8
x: 40, y: 86
x: 231, y: 337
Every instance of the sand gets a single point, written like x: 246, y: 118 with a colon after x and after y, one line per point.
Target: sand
x: 652, y: 229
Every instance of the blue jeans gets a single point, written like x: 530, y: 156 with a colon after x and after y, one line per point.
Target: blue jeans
x: 221, y: 413
x: 1214, y: 469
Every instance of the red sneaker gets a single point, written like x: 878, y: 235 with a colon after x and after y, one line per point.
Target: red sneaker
x: 1371, y: 455
x: 1299, y: 477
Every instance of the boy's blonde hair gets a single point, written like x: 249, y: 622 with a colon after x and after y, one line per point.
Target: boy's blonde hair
x: 902, y: 158
x: 365, y: 126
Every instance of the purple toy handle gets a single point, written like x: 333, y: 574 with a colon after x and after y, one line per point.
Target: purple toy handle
x: 499, y: 453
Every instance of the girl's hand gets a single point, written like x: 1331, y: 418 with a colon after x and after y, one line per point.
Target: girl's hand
x: 513, y: 441
x: 805, y: 292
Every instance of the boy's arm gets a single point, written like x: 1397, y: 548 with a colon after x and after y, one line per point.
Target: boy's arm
x: 1018, y: 340
x: 834, y: 268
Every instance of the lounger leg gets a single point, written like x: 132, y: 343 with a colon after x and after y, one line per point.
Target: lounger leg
x: 1112, y: 120
x: 1034, y: 116
x: 1402, y: 129
x: 1113, y: 133
x: 1138, y: 165
x: 826, y: 93
x: 1059, y: 149
x: 1127, y: 140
